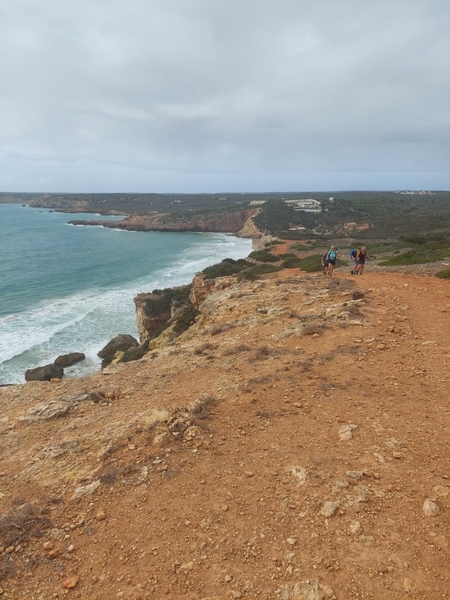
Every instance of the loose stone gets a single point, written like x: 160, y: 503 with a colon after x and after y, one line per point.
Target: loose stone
x: 430, y: 508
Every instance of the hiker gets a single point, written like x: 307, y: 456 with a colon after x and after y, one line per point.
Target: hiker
x: 331, y: 257
x: 353, y: 258
x: 361, y: 257
x: 325, y: 263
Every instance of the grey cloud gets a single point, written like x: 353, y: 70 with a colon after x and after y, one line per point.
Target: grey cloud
x: 211, y: 91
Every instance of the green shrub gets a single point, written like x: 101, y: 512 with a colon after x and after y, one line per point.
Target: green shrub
x: 292, y: 262
x: 445, y: 274
x: 302, y: 247
x: 416, y: 257
x: 182, y: 322
x: 312, y: 263
x: 257, y: 271
x: 263, y: 256
x: 185, y: 319
x: 162, y: 299
x: 135, y: 353
x: 226, y: 268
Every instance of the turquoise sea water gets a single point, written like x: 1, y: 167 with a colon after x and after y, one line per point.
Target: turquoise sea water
x: 70, y: 289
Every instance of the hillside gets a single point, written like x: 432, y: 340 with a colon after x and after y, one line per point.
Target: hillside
x: 292, y: 444
x: 362, y: 215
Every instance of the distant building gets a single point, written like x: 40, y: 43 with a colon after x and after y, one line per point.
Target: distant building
x: 305, y: 204
x: 257, y: 202
x: 414, y: 192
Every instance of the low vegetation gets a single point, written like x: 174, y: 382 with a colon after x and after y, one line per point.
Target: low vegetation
x: 422, y: 249
x: 226, y: 268
x: 291, y: 261
x: 311, y: 264
x: 254, y: 273
x: 162, y: 299
x: 263, y: 256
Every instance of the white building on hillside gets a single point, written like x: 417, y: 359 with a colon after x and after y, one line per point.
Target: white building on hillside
x: 306, y: 204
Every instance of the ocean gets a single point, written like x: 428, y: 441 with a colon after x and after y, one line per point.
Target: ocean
x: 66, y: 288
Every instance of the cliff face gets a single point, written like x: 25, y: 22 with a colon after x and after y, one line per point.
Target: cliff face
x: 153, y: 310
x: 217, y: 222
x: 270, y: 451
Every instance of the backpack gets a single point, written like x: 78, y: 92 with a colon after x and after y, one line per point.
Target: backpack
x: 353, y: 253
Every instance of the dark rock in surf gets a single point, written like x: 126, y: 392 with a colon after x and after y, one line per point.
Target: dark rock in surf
x: 120, y: 343
x: 67, y: 360
x: 44, y: 373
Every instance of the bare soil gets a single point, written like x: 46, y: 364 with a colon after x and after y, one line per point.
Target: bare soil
x: 294, y: 444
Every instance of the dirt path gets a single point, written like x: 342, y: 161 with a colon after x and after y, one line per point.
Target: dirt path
x: 315, y: 429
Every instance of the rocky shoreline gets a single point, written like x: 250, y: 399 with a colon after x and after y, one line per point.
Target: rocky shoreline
x: 238, y: 223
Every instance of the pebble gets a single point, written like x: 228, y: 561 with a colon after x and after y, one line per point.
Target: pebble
x: 430, y: 508
x: 329, y: 508
x: 355, y: 474
x: 291, y: 541
x: 345, y: 432
x: 355, y: 527
x: 407, y: 585
x: 71, y: 582
x: 100, y: 516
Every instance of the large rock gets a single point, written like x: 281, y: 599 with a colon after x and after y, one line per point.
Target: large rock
x: 67, y: 360
x: 44, y: 373
x: 121, y: 342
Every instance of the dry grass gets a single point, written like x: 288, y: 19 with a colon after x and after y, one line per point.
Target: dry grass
x: 312, y: 329
x: 19, y: 524
x: 202, y: 406
x: 236, y: 350
x: 357, y: 294
x: 220, y: 328
x: 204, y: 348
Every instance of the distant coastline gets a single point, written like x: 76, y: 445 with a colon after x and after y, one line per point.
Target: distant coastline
x: 238, y: 223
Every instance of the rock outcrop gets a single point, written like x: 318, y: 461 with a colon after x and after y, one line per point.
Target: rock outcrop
x: 67, y: 360
x: 44, y: 373
x: 155, y: 309
x: 120, y: 343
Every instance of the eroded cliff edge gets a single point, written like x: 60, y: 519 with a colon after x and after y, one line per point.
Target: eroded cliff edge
x: 291, y: 443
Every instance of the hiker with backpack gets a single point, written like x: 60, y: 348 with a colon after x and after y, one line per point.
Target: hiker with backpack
x: 353, y: 258
x: 361, y: 257
x: 332, y: 256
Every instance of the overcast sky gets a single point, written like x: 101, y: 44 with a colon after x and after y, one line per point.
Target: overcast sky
x: 224, y: 95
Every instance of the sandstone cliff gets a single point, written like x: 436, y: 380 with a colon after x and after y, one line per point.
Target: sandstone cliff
x: 292, y: 443
x: 232, y: 222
